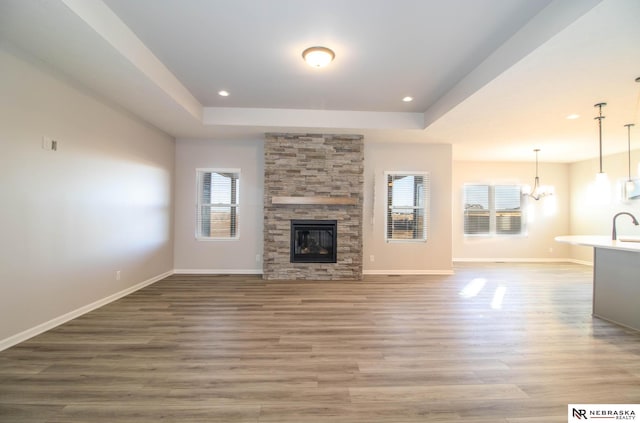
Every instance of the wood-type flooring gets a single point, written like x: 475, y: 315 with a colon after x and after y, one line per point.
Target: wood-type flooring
x: 499, y: 343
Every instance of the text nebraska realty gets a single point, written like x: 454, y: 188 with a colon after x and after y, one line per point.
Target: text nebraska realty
x: 605, y: 414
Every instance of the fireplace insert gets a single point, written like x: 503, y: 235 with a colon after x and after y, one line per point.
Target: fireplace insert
x: 313, y: 241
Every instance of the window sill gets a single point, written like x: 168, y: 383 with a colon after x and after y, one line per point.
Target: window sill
x: 208, y: 239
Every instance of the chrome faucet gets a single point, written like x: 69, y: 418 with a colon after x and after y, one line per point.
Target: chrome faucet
x: 614, y: 235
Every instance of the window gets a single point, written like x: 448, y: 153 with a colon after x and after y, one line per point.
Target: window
x: 407, y: 200
x: 493, y: 210
x: 218, y: 198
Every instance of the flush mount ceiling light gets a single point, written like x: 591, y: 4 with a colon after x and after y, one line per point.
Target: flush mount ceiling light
x: 407, y: 99
x: 318, y: 57
x: 223, y: 93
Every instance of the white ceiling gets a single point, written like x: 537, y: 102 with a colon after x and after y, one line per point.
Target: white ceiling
x: 494, y: 78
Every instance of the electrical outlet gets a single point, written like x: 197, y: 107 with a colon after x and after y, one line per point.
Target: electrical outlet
x: 49, y: 144
x: 117, y: 275
x: 551, y: 249
x: 258, y: 258
x: 372, y: 258
x: 46, y: 143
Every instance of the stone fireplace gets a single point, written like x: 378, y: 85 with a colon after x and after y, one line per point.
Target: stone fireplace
x: 313, y: 178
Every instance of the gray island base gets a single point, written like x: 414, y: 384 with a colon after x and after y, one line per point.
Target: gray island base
x: 616, y: 278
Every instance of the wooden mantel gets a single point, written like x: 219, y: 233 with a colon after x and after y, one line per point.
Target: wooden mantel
x: 332, y: 201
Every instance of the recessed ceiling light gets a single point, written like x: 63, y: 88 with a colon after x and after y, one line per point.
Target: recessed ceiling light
x: 407, y: 99
x: 318, y: 57
x: 573, y: 116
x: 223, y: 93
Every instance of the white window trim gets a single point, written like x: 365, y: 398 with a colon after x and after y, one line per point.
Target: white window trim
x: 197, y: 203
x: 427, y: 204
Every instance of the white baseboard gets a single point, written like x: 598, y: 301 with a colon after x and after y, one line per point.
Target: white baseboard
x: 584, y: 262
x: 217, y: 271
x: 43, y: 327
x: 408, y: 272
x: 512, y: 260
x: 522, y: 260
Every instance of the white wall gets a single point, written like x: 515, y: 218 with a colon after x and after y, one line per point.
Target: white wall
x: 546, y: 218
x: 592, y: 210
x: 240, y: 256
x: 222, y: 256
x: 433, y: 256
x: 70, y: 219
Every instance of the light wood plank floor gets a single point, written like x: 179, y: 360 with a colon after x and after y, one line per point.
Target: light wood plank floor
x: 492, y: 344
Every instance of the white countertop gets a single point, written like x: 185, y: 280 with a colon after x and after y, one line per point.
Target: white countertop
x: 599, y: 241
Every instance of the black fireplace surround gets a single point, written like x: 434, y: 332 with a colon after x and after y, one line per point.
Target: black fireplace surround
x: 314, y: 241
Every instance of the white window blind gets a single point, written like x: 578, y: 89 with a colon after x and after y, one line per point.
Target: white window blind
x: 508, y: 206
x: 477, y: 214
x: 407, y: 206
x: 493, y: 210
x: 218, y: 203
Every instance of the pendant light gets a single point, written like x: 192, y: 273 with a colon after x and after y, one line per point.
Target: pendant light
x: 538, y: 191
x: 629, y: 186
x: 601, y: 176
x: 635, y: 116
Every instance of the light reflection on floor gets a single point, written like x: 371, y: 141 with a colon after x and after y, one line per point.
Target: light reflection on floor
x: 498, y: 296
x: 473, y: 288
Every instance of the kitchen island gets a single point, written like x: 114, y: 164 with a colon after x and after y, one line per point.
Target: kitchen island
x: 616, y: 277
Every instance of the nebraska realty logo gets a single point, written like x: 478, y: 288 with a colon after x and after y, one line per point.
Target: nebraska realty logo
x: 603, y: 412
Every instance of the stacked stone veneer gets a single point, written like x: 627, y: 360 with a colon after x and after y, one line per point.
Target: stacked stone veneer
x: 308, y: 166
